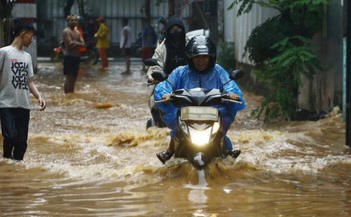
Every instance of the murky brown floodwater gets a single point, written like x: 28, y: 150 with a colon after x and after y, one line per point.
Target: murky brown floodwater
x: 90, y: 155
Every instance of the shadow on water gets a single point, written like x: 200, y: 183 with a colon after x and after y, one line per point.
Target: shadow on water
x: 90, y: 155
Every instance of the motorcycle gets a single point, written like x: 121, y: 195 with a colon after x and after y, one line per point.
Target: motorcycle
x: 88, y: 55
x: 198, y: 138
x: 157, y: 114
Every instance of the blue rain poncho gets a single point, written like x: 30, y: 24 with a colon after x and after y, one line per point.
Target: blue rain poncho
x: 185, y: 78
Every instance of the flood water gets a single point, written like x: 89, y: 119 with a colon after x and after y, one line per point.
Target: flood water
x: 90, y: 155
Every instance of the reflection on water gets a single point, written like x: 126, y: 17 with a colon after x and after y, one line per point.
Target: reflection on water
x: 90, y: 155
x: 197, y: 192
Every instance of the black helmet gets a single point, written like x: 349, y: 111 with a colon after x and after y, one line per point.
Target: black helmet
x: 201, y: 45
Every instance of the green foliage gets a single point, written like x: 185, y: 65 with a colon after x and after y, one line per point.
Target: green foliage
x: 259, y: 44
x: 225, y: 56
x: 282, y: 75
x: 296, y: 55
x: 280, y: 5
x: 281, y: 47
x: 304, y: 15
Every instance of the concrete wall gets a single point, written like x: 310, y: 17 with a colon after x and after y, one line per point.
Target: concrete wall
x: 325, y: 91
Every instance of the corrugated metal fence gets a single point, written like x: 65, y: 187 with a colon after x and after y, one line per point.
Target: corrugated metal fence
x: 238, y: 29
x: 51, y: 19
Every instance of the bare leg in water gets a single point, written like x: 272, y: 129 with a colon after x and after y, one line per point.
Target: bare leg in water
x: 69, y: 83
x: 127, y: 65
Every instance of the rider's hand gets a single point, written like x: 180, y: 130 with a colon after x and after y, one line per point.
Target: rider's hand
x: 166, y: 96
x: 151, y: 80
x: 233, y: 96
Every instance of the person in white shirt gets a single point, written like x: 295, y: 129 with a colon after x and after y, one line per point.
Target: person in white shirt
x: 16, y: 84
x: 126, y: 43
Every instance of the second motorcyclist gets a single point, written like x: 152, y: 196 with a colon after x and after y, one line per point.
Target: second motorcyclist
x: 169, y: 54
x: 201, y: 71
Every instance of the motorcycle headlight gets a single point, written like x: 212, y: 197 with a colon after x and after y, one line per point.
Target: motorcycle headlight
x: 200, y: 138
x: 215, y: 127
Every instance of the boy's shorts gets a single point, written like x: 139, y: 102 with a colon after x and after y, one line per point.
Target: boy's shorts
x: 71, y: 65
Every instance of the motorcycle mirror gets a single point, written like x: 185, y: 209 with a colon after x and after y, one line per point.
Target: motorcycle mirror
x: 150, y: 62
x: 159, y: 75
x: 236, y: 74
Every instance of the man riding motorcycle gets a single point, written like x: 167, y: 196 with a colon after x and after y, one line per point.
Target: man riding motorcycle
x: 201, y: 71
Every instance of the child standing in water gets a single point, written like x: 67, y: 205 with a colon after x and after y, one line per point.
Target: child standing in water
x: 16, y: 83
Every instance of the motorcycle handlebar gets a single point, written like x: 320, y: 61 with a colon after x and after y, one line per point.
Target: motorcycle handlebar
x: 232, y: 100
x: 225, y: 98
x: 152, y: 82
x: 163, y: 100
x: 149, y: 83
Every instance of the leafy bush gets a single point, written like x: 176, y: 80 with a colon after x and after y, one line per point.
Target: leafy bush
x: 282, y: 75
x: 281, y: 46
x: 259, y: 44
x: 226, y: 56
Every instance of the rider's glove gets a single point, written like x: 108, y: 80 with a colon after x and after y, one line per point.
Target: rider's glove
x: 233, y: 96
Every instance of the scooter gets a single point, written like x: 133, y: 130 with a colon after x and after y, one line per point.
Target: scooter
x: 157, y: 114
x: 198, y: 138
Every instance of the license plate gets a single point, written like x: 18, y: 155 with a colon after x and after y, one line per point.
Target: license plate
x: 201, y: 113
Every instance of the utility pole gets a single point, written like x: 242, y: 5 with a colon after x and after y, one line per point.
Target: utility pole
x: 348, y: 73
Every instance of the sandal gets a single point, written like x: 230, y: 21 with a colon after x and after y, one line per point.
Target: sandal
x: 234, y: 153
x: 163, y: 156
